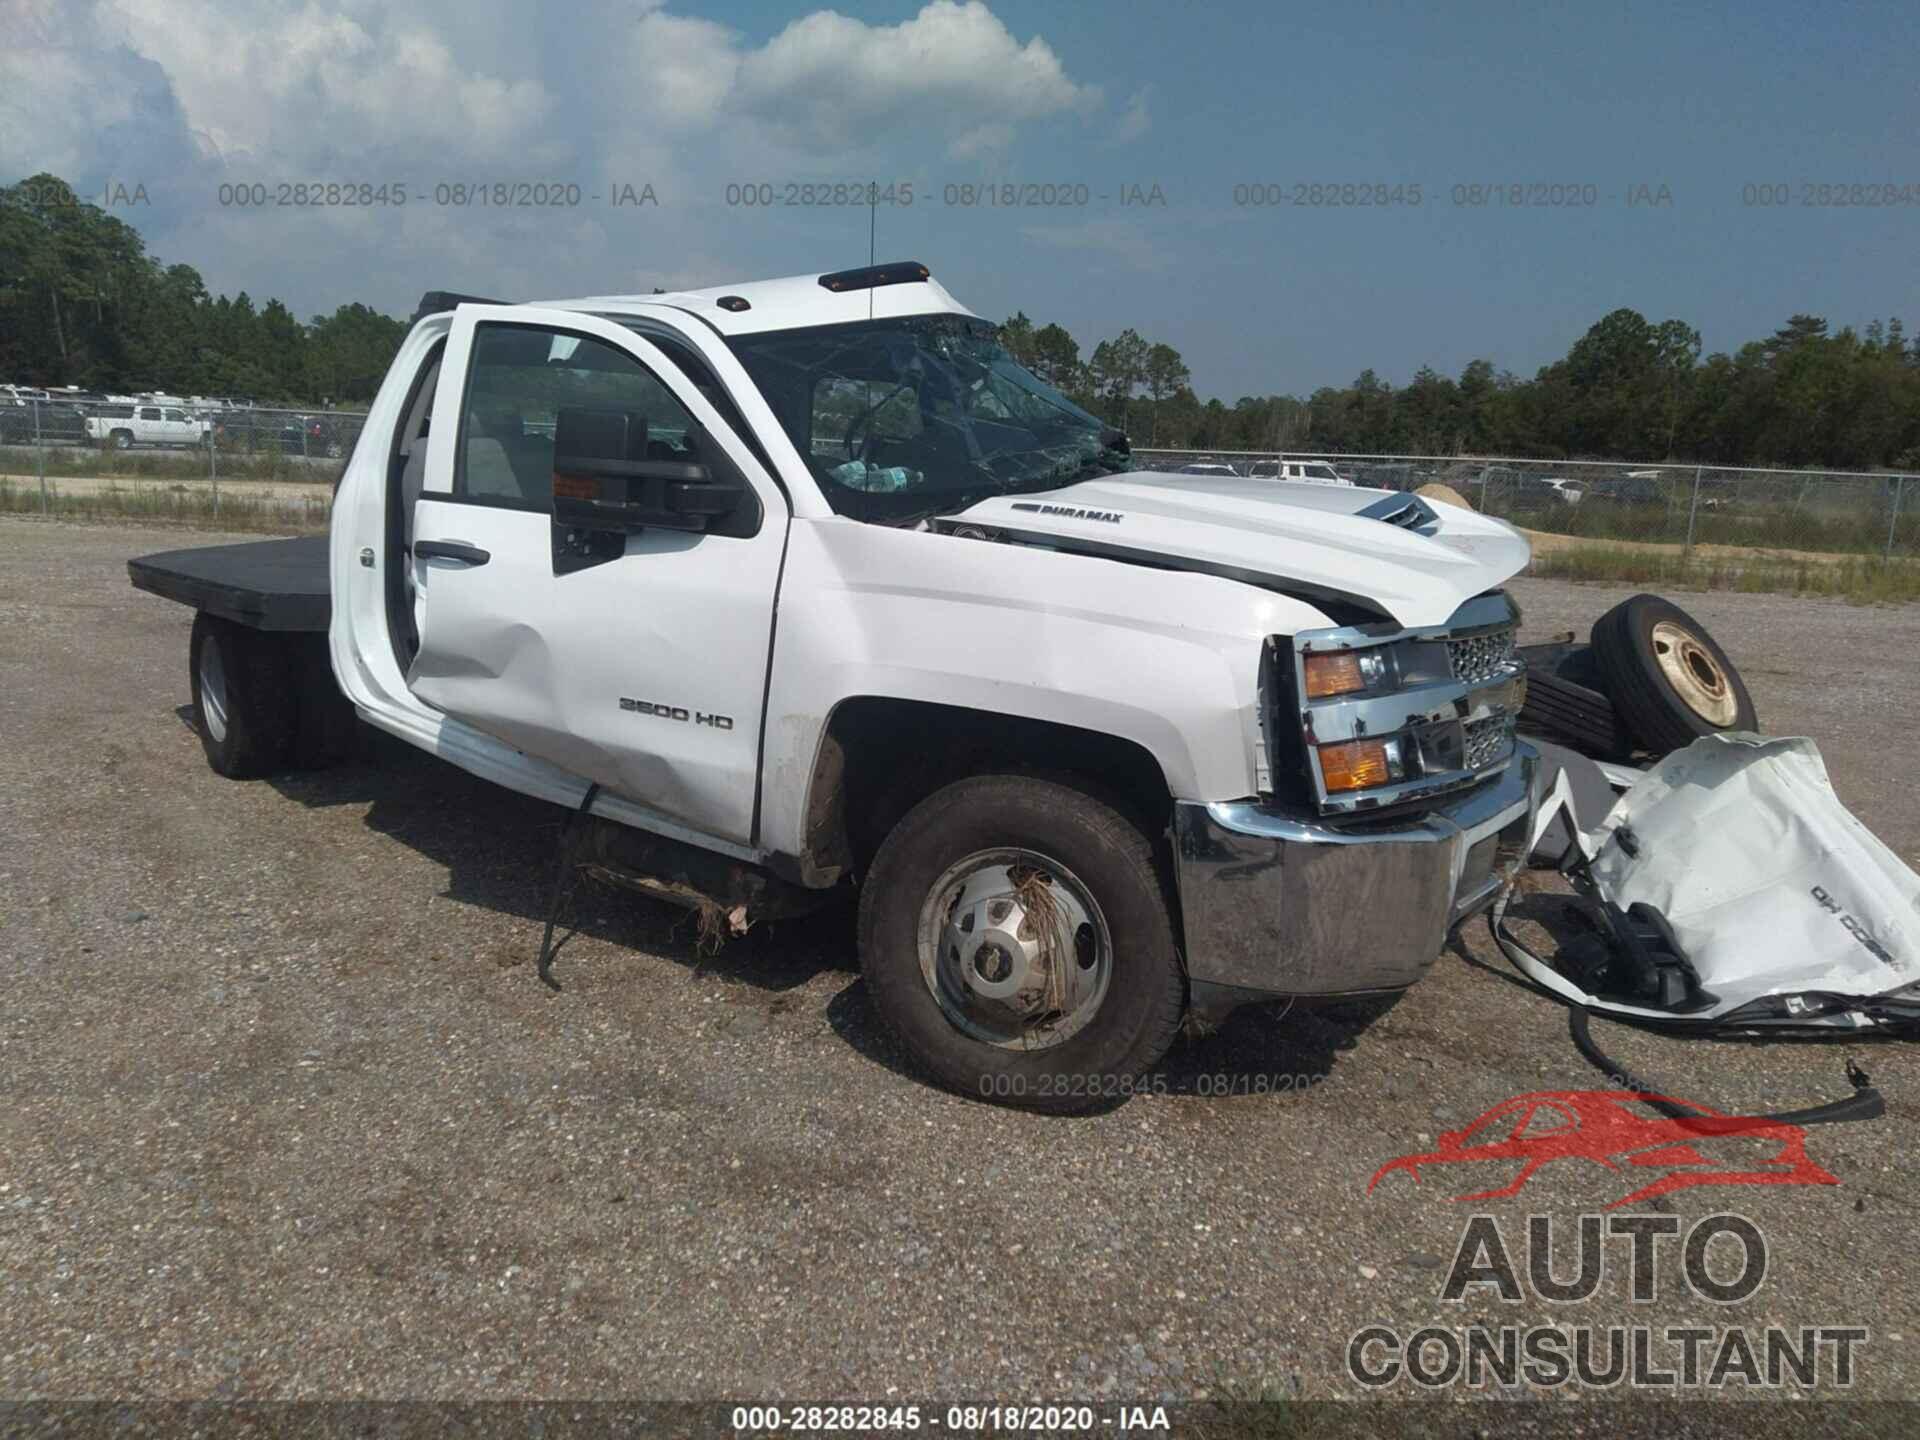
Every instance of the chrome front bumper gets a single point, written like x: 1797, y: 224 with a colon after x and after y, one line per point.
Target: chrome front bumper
x: 1284, y: 904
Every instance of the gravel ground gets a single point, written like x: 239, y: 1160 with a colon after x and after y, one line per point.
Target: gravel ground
x: 290, y: 1117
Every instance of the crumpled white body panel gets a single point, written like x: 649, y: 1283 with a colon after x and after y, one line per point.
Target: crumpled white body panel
x: 1772, y: 888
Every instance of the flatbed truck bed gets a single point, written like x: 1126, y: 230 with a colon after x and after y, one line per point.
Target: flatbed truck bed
x: 260, y: 584
x: 264, y: 695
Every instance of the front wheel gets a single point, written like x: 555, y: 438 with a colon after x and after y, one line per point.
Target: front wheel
x: 123, y: 439
x: 1016, y: 939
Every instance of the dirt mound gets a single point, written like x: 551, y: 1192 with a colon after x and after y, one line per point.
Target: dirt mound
x: 1444, y: 495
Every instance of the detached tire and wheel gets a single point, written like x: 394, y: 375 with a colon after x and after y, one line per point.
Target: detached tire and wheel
x: 245, y: 705
x: 1669, y: 680
x: 1016, y: 938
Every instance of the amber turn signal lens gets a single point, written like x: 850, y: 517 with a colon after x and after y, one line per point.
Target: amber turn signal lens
x: 1334, y: 674
x: 1356, y: 765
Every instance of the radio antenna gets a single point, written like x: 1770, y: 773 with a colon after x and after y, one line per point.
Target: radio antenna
x: 873, y: 223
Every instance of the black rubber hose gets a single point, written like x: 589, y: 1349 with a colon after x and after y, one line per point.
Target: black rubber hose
x: 1864, y: 1104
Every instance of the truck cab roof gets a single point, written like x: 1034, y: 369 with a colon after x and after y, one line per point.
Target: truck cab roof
x: 794, y: 302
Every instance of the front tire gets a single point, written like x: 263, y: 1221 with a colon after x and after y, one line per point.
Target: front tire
x: 244, y: 704
x: 955, y: 919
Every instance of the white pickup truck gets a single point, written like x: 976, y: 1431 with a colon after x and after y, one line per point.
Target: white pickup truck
x: 124, y: 426
x: 805, y: 585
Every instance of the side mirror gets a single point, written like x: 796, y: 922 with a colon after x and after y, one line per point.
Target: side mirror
x: 604, y: 480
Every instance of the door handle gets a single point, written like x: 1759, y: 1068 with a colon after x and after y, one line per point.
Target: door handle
x: 450, y: 550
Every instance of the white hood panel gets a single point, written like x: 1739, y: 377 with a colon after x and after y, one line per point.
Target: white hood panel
x: 1308, y: 534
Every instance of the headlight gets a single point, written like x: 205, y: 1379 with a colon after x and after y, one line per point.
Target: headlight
x: 1362, y: 764
x: 1343, y: 672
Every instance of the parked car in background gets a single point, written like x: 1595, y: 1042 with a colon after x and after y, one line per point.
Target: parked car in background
x: 1632, y: 490
x: 1541, y: 491
x: 1506, y: 488
x: 123, y: 426
x: 244, y: 430
x: 1304, y: 472
x: 1207, y: 467
x: 319, y: 436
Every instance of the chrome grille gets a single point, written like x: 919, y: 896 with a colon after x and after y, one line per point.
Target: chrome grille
x: 1486, y: 740
x: 1480, y: 658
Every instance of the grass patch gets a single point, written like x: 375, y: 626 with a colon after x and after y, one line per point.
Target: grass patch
x: 1861, y: 528
x: 183, y: 464
x: 1856, y: 579
x: 197, y: 509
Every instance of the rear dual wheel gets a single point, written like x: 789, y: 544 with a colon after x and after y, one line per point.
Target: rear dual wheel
x: 1016, y: 939
x: 265, y: 702
x: 244, y: 703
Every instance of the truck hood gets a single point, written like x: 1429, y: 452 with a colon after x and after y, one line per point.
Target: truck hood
x: 1376, y: 548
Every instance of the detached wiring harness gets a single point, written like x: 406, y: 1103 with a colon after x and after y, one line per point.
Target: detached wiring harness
x: 1865, y: 1103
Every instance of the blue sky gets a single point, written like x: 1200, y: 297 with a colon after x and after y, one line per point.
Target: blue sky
x: 185, y: 96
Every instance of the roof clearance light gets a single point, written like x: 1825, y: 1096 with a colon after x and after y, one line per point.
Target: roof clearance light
x: 870, y: 277
x: 735, y: 303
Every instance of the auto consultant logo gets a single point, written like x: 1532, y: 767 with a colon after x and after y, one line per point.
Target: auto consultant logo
x: 1656, y: 1143
x: 1681, y: 1354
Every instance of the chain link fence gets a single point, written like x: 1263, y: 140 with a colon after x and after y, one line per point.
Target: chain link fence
x: 166, y: 457
x: 170, y: 457
x: 1823, y: 513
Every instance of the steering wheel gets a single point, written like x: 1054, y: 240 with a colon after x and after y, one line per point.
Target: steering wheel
x: 864, y: 420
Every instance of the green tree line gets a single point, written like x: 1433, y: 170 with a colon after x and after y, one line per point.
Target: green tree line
x: 82, y: 303
x: 1628, y: 389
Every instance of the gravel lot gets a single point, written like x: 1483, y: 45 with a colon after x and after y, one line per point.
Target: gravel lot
x: 289, y: 1116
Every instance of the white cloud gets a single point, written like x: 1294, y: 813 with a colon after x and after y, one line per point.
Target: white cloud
x: 834, y: 81
x: 1136, y: 119
x: 187, y: 94
x: 289, y: 83
x: 680, y: 70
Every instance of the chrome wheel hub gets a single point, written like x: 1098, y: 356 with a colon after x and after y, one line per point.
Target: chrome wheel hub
x: 1014, y: 949
x: 213, y: 691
